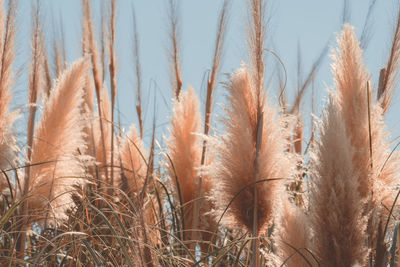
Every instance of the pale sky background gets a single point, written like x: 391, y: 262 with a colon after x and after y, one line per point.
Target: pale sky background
x: 309, y: 23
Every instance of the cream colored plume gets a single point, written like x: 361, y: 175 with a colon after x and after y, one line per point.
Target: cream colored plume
x: 293, y: 233
x: 134, y: 167
x: 336, y: 207
x: 378, y: 178
x: 57, y: 141
x: 185, y: 148
x: 351, y: 78
x: 7, y: 55
x: 235, y: 157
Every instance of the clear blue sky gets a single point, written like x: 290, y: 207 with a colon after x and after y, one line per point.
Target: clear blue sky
x: 310, y: 23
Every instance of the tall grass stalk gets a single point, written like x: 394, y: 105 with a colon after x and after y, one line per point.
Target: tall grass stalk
x: 91, y: 47
x: 113, y: 78
x: 138, y: 74
x: 174, y: 50
x: 211, y: 83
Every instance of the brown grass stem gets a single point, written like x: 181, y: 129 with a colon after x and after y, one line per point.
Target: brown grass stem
x: 369, y: 127
x: 90, y: 38
x: 174, y: 53
x: 218, y: 53
x: 35, y: 83
x: 113, y: 78
x: 138, y: 73
x: 256, y: 241
x: 386, y: 88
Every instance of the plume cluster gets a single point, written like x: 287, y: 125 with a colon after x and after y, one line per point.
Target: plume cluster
x: 234, y: 168
x: 348, y: 169
x: 366, y: 130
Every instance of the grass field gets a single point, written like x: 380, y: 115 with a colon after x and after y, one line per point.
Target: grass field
x: 78, y: 190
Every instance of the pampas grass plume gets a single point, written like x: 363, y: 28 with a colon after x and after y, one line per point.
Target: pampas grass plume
x: 377, y: 179
x: 351, y: 79
x: 58, y: 137
x: 185, y: 148
x: 235, y: 156
x: 336, y: 214
x: 7, y: 52
x: 293, y: 231
x: 132, y: 159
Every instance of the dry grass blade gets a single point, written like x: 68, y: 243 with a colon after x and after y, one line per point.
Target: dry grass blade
x: 389, y: 80
x: 113, y: 78
x: 92, y: 48
x: 59, y: 53
x: 218, y: 53
x: 257, y: 30
x: 35, y: 82
x: 102, y: 136
x: 282, y: 81
x: 104, y: 41
x: 369, y: 127
x: 174, y: 53
x: 138, y: 73
x: 298, y: 136
x: 89, y: 43
x: 256, y: 243
x: 366, y: 31
x: 7, y: 54
x: 299, y: 66
x: 310, y: 77
x: 148, y: 258
x: 47, y: 84
x: 346, y: 12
